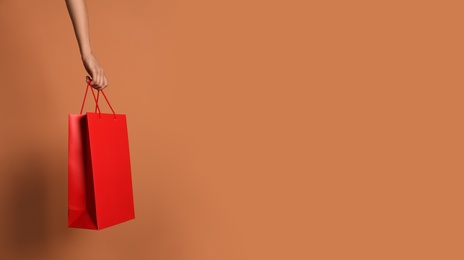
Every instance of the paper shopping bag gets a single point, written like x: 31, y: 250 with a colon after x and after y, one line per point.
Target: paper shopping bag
x: 99, y: 172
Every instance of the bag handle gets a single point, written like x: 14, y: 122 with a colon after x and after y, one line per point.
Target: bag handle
x: 94, y: 98
x: 97, y: 107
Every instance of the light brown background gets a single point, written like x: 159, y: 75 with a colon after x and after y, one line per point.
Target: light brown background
x: 258, y: 129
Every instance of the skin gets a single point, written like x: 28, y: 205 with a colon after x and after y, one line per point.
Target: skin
x: 78, y: 13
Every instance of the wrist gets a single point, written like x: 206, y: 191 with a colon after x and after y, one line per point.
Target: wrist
x: 86, y: 55
x: 86, y: 52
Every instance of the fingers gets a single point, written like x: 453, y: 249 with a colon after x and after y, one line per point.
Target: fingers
x: 99, y: 80
x: 92, y: 66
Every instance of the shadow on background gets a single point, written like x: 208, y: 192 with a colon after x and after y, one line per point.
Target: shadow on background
x: 33, y: 186
x: 27, y: 207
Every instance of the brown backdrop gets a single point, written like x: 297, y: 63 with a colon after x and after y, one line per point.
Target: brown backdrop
x: 258, y: 129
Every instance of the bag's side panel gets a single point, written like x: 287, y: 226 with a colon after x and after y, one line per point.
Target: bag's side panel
x: 111, y: 168
x: 81, y: 204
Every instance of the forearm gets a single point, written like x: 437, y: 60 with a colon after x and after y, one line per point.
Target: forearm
x: 78, y: 13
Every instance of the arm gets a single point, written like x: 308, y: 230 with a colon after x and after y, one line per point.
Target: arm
x: 78, y: 13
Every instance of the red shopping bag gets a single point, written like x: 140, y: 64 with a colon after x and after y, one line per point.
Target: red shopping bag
x: 99, y: 173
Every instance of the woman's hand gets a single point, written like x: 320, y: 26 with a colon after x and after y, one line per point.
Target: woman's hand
x: 95, y: 71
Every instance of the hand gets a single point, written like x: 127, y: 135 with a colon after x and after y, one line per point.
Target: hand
x: 95, y: 70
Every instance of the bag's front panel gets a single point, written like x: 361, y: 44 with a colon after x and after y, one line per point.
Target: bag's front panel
x: 112, y: 179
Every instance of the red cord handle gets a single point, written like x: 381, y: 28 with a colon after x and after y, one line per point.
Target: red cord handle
x: 85, y: 96
x: 97, y: 107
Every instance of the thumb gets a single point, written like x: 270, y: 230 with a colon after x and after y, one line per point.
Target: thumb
x: 87, y: 79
